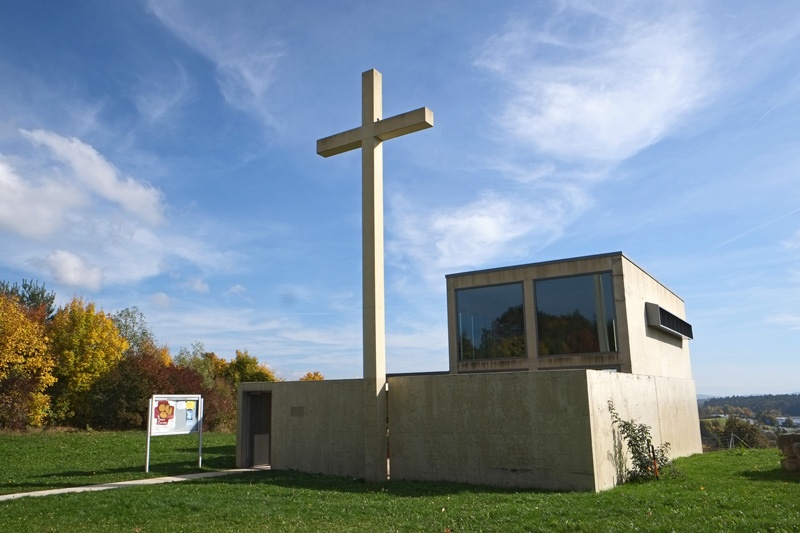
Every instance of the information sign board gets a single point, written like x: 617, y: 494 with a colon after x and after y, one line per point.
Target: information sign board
x: 175, y: 414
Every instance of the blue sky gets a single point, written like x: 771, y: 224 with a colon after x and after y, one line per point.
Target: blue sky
x: 162, y: 155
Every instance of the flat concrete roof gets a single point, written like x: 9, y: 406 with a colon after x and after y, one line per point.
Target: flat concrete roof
x: 557, y: 261
x: 540, y: 263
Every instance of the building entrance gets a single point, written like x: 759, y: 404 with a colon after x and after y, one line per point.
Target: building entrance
x: 260, y: 415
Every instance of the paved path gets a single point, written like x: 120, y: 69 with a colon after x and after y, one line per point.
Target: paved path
x: 118, y: 484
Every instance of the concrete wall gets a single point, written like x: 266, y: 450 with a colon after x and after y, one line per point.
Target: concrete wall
x: 548, y: 430
x: 667, y: 405
x: 317, y: 426
x: 518, y: 429
x: 653, y: 352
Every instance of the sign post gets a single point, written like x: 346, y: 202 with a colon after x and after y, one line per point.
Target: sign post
x: 175, y: 414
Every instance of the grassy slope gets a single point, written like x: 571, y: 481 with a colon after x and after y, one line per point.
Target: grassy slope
x: 39, y: 461
x: 721, y: 491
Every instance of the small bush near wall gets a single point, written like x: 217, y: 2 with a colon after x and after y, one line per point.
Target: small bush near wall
x: 647, y: 460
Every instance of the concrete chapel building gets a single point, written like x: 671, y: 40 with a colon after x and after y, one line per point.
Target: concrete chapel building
x: 536, y: 352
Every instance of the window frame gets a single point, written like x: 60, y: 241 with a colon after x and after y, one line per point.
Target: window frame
x: 613, y: 335
x: 522, y: 335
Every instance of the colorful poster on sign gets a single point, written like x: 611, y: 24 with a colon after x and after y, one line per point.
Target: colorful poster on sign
x: 175, y: 415
x: 190, y: 413
x: 165, y: 413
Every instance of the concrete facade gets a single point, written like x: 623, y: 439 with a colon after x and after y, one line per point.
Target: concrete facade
x: 642, y: 349
x: 549, y: 430
x: 537, y: 422
x: 546, y: 430
x: 316, y: 426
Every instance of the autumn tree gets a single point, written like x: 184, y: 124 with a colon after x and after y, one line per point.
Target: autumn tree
x: 25, y: 367
x: 119, y: 398
x: 207, y: 364
x: 218, y: 391
x: 246, y: 367
x: 132, y: 325
x: 34, y: 299
x: 313, y: 376
x: 86, y: 345
x: 220, y: 379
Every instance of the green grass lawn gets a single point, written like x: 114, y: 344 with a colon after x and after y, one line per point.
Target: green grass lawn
x: 720, y: 491
x: 48, y: 460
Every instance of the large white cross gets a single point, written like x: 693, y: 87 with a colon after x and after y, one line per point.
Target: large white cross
x: 369, y: 136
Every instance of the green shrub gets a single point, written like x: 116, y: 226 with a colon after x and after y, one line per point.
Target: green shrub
x: 744, y: 432
x: 646, y: 459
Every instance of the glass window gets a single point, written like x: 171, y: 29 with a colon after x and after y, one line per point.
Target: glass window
x: 490, y: 322
x: 576, y: 315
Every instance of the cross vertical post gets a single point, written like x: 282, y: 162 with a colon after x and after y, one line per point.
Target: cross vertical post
x: 374, y: 332
x: 369, y: 137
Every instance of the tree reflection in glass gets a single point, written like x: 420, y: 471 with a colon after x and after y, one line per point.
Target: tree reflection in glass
x: 576, y: 315
x: 491, y: 322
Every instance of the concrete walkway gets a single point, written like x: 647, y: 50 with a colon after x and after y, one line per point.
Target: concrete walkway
x: 118, y: 484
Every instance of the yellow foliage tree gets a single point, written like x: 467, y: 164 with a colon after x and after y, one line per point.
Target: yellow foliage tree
x: 245, y: 367
x: 316, y: 375
x: 162, y: 354
x: 25, y: 368
x: 86, y: 345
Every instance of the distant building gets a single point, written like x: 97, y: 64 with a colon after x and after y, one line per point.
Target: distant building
x: 536, y: 353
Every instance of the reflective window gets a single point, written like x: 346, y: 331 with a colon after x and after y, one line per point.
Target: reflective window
x: 490, y: 322
x: 576, y: 315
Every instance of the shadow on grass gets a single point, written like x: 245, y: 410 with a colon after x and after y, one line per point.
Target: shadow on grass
x: 88, y: 473
x: 326, y: 483
x: 776, y: 474
x: 76, y: 478
x: 228, y: 449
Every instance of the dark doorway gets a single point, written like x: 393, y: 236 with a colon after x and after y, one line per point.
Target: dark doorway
x: 260, y: 422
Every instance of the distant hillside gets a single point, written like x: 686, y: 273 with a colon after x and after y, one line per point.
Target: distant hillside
x: 702, y: 399
x: 776, y: 404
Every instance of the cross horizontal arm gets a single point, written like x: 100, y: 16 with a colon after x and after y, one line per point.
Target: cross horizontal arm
x: 416, y: 120
x: 339, y: 143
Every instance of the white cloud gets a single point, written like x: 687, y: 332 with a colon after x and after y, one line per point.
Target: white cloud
x: 101, y: 177
x: 587, y: 88
x: 156, y: 101
x: 491, y: 228
x: 71, y: 269
x: 788, y: 320
x: 282, y: 340
x: 160, y: 299
x: 237, y: 289
x: 33, y: 209
x: 244, y: 55
x: 604, y: 94
x: 69, y: 212
x: 537, y: 173
x: 198, y: 285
